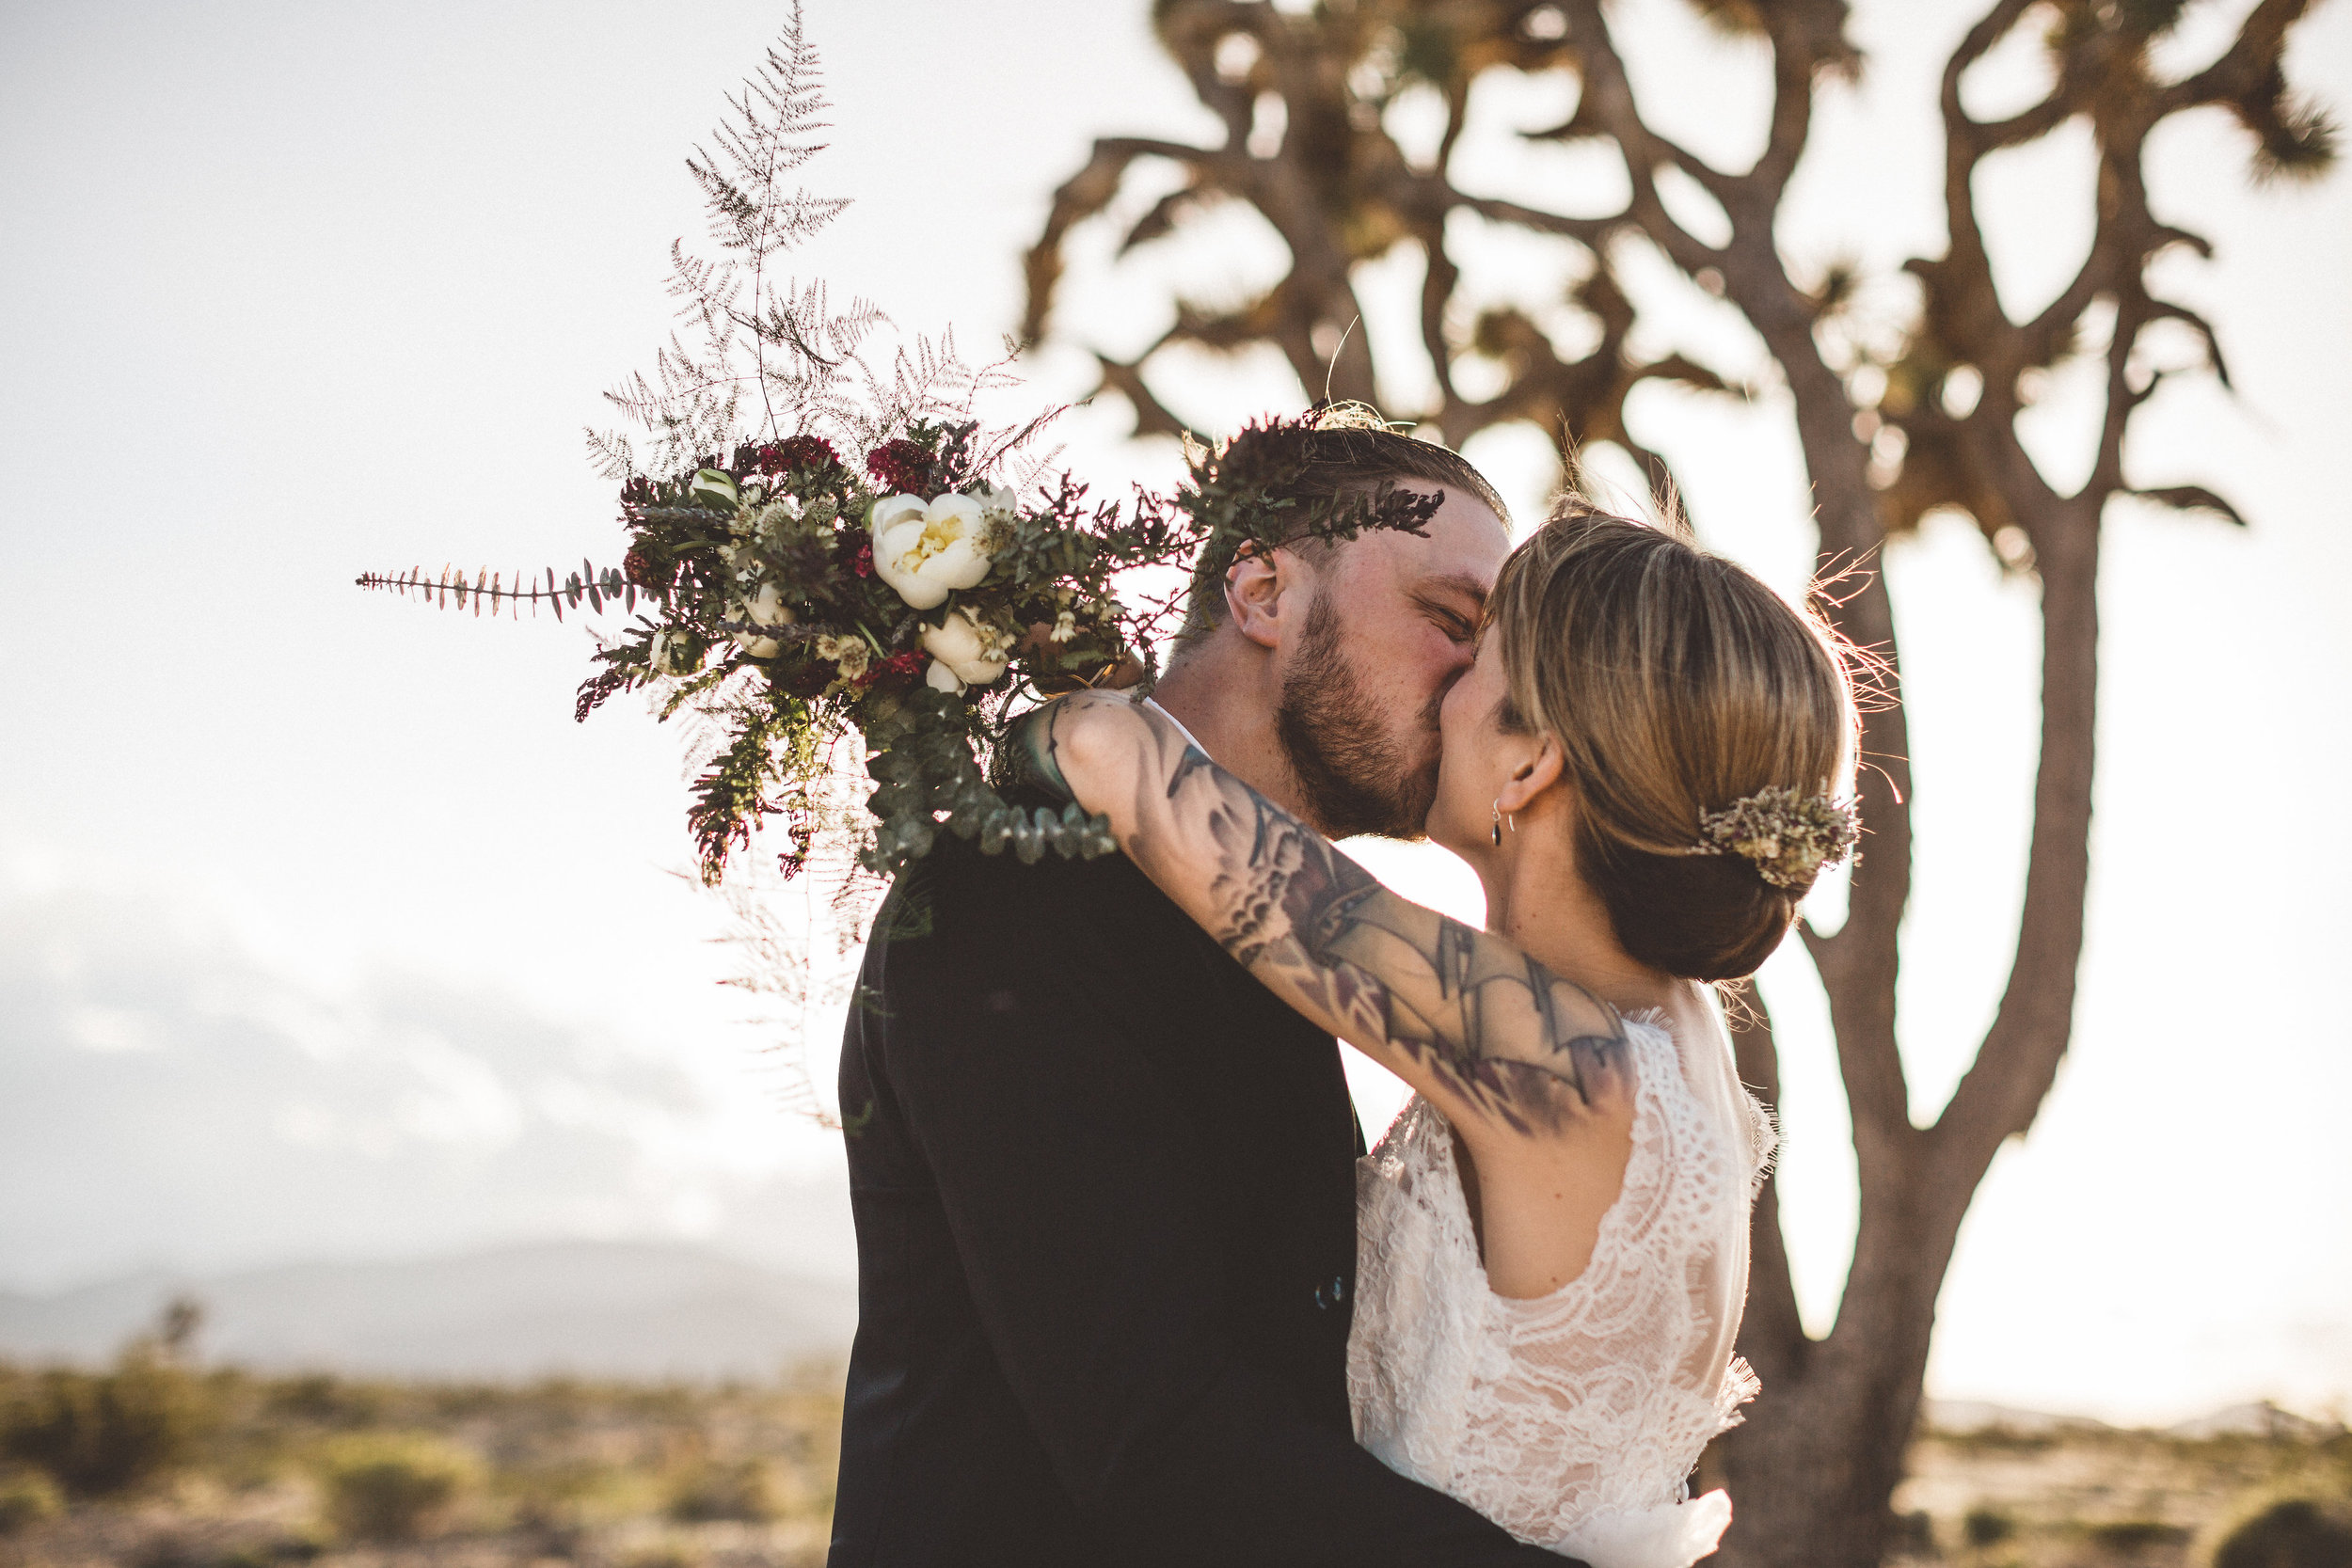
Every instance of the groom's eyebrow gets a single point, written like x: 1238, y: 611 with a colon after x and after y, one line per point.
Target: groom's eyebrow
x: 1471, y: 588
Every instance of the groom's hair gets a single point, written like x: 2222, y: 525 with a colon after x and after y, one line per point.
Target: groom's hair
x: 1329, y: 463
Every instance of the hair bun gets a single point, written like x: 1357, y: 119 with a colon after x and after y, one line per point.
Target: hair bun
x: 1696, y: 917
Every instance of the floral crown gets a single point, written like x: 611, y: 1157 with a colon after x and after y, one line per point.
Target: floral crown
x: 1787, y: 836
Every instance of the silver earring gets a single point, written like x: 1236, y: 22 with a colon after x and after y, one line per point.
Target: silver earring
x: 1515, y: 827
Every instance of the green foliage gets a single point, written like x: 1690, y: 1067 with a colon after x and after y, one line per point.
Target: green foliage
x: 392, y: 1486
x: 663, y: 1554
x: 2130, y: 1537
x: 101, y: 1432
x: 2294, y: 1532
x: 324, y: 1400
x: 560, y: 1496
x: 27, y: 1497
x: 1987, y: 1526
x: 740, y: 1491
x: 1914, y: 1535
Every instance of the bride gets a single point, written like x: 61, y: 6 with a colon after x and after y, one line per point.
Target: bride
x: 1643, y: 767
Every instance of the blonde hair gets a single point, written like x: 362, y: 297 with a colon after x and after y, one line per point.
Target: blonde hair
x: 1676, y: 683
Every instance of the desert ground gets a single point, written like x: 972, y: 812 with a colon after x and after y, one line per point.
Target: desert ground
x: 156, y: 1464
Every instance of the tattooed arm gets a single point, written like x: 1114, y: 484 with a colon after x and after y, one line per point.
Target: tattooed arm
x: 1499, y: 1042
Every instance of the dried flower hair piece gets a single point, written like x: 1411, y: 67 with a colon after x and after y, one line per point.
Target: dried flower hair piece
x: 1351, y: 414
x: 1787, y: 836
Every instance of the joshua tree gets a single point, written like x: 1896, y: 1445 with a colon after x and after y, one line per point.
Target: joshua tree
x: 1890, y: 430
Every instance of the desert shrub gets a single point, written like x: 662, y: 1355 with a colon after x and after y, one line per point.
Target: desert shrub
x: 1987, y: 1526
x: 325, y: 1399
x: 391, y: 1487
x: 26, y: 1497
x: 2128, y: 1536
x: 561, y: 1497
x: 1913, y: 1535
x: 663, y: 1554
x: 2295, y: 1532
x: 709, y: 1492
x: 97, y: 1432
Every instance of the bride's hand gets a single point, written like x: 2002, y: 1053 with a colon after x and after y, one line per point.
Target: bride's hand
x: 1077, y: 748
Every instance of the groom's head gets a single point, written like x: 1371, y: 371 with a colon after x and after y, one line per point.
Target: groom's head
x: 1350, y: 646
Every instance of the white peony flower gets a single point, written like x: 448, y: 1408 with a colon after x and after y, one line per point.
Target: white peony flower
x: 927, y: 549
x: 939, y: 678
x: 767, y: 609
x: 888, y: 512
x: 974, y: 654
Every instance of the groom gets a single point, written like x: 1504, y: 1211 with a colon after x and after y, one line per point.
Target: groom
x: 1104, y: 1181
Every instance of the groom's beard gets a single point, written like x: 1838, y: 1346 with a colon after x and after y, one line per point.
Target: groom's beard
x: 1354, y: 775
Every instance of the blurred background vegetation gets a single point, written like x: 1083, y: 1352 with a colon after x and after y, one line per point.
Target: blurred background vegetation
x: 159, y: 1461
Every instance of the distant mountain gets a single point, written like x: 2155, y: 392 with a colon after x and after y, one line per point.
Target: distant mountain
x: 1969, y: 1415
x: 2258, y: 1420
x: 2261, y: 1419
x: 621, y: 1310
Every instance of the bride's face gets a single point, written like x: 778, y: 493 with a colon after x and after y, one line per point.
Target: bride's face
x: 1473, y: 763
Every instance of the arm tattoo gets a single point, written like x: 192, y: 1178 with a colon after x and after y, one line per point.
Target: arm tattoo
x: 1489, y: 1024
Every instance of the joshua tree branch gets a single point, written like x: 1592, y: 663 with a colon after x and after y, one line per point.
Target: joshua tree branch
x: 2247, y: 71
x: 1607, y: 104
x: 1590, y: 231
x: 1083, y: 194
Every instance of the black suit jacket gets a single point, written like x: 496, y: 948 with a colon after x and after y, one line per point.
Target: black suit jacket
x: 1104, y: 1193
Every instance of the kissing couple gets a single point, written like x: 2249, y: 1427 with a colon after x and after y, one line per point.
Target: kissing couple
x: 1131, y: 1291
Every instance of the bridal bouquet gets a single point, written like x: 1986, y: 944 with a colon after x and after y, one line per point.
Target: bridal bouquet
x: 856, y: 571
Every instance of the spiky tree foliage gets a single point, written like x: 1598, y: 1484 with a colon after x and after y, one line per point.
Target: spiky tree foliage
x: 1890, y: 427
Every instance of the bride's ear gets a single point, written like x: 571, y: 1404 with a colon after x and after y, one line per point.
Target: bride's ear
x: 1533, y: 772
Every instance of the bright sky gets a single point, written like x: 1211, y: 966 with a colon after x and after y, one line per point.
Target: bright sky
x: 324, y: 931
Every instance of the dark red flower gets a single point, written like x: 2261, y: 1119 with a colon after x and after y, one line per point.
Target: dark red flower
x: 900, y: 465
x: 805, y: 677
x: 638, y: 565
x: 863, y: 562
x: 899, y: 669
x: 796, y: 452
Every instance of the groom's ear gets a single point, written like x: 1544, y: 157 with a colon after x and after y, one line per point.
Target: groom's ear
x: 1262, y: 586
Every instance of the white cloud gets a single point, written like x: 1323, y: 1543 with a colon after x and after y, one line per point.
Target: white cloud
x: 165, y: 1097
x: 112, y: 1029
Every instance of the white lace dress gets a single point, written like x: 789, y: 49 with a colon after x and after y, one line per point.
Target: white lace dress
x: 1572, y: 1420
